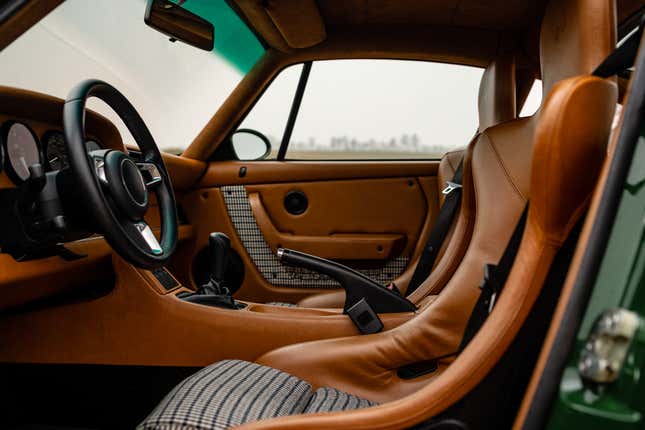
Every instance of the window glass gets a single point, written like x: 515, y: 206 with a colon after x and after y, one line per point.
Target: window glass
x: 269, y: 115
x: 533, y: 100
x: 175, y: 87
x: 385, y: 109
x: 371, y: 109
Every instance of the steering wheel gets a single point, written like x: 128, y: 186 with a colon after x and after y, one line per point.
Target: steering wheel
x: 115, y: 188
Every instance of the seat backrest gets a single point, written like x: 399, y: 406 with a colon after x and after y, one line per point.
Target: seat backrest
x: 577, y: 35
x: 496, y: 104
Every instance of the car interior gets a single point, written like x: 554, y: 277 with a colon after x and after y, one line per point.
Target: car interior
x: 205, y: 291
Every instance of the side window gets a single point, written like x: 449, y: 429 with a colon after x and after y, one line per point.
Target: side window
x: 533, y: 100
x: 269, y: 115
x: 370, y: 110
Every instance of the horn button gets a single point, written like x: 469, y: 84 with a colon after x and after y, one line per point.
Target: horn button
x: 126, y: 185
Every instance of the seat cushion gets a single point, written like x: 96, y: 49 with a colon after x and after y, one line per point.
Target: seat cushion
x: 233, y: 392
x: 327, y: 399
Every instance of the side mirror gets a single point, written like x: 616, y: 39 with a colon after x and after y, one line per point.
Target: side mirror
x: 250, y: 145
x: 180, y: 24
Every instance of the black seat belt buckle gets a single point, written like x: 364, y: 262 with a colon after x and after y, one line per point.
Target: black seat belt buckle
x: 488, y: 285
x: 364, y: 317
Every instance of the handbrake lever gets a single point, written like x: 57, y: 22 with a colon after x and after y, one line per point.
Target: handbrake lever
x: 357, y: 286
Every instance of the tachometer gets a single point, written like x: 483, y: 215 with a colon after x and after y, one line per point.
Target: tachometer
x: 21, y: 150
x: 55, y: 150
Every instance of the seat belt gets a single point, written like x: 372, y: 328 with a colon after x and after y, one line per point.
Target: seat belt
x: 451, y: 204
x: 622, y: 58
x: 494, y: 279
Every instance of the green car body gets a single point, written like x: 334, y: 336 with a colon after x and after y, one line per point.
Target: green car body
x: 620, y: 283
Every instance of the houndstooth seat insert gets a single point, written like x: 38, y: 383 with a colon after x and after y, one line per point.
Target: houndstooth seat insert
x: 233, y: 392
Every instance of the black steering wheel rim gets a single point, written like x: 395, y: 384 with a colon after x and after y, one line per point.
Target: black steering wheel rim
x: 110, y: 186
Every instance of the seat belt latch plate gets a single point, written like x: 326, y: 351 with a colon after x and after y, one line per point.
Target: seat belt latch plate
x: 450, y: 187
x: 364, y: 317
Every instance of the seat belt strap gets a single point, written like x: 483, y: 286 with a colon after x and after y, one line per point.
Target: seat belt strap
x: 495, y: 277
x: 621, y: 58
x: 451, y: 204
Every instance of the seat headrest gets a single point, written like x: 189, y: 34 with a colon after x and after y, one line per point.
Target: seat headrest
x: 570, y: 143
x: 575, y: 37
x: 496, y: 102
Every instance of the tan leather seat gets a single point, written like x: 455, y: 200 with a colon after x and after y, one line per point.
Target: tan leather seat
x: 501, y: 164
x: 496, y: 104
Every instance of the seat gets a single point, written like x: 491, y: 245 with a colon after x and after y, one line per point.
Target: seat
x: 496, y: 104
x: 554, y: 158
x: 232, y: 392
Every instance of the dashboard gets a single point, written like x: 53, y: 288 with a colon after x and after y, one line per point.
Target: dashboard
x: 21, y: 147
x: 31, y: 131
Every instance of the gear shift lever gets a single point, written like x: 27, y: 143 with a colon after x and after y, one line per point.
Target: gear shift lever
x: 220, y: 246
x: 214, y: 292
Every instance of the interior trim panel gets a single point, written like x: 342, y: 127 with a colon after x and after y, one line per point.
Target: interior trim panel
x: 277, y: 273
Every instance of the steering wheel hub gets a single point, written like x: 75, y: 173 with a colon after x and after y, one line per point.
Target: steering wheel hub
x: 126, y: 184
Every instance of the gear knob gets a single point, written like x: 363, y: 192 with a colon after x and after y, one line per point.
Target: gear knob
x: 220, y: 246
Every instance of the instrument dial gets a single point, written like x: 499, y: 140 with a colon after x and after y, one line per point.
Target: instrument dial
x: 55, y: 151
x: 21, y: 150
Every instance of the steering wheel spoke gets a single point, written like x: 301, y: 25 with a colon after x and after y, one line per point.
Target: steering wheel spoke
x: 151, y: 175
x: 148, y: 237
x: 98, y: 160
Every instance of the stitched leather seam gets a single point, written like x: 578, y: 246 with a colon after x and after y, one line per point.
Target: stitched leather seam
x: 489, y: 141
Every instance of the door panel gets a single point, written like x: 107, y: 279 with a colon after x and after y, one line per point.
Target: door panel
x: 347, y: 220
x: 373, y: 216
x: 255, y: 243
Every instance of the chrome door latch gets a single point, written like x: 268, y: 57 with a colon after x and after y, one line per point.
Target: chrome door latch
x: 604, y: 353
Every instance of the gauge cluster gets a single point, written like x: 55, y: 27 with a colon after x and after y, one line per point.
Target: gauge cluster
x: 42, y: 210
x: 20, y: 148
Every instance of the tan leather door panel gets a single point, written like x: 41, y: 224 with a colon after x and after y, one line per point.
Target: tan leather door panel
x: 369, y: 219
x: 373, y: 216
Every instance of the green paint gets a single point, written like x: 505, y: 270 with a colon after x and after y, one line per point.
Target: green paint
x: 233, y: 39
x: 620, y: 283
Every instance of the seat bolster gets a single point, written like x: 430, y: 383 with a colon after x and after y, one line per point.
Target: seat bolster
x: 575, y: 122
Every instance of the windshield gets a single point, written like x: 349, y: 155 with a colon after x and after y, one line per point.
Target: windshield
x: 175, y: 87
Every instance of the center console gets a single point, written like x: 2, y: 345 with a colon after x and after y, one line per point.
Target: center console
x: 364, y: 298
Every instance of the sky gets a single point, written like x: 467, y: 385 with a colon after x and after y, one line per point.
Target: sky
x: 177, y: 88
